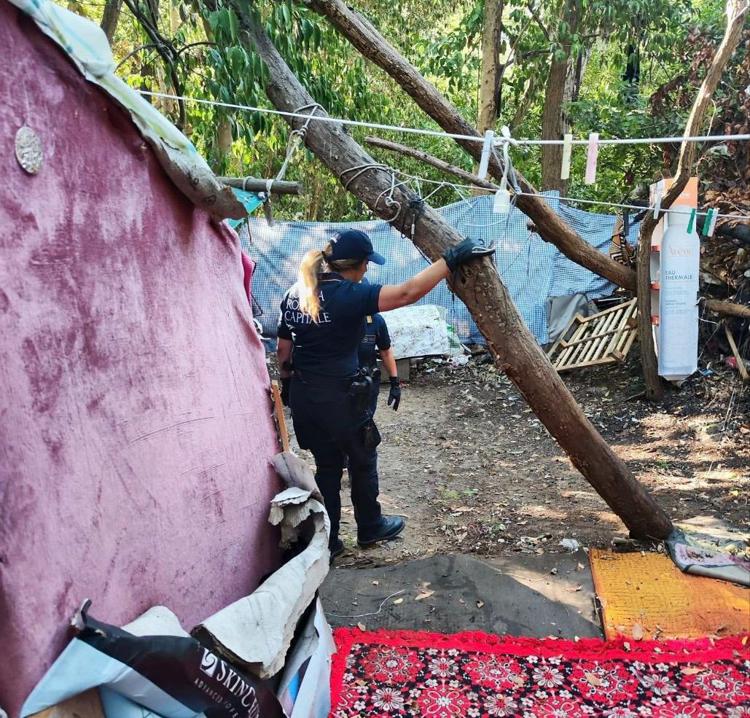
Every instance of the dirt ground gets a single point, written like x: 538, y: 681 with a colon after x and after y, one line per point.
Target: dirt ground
x: 474, y: 472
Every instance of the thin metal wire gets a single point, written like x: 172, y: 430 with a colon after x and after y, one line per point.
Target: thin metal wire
x: 570, y: 199
x: 450, y: 135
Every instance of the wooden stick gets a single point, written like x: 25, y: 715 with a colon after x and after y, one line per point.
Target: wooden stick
x: 727, y: 309
x: 278, y: 412
x: 253, y: 184
x: 478, y: 285
x: 85, y: 704
x: 738, y: 358
x: 432, y: 161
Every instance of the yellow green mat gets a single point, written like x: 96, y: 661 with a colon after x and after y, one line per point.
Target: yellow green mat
x: 644, y: 595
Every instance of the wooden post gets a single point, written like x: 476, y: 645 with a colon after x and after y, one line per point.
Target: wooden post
x: 278, y: 412
x: 649, y: 364
x: 515, y: 350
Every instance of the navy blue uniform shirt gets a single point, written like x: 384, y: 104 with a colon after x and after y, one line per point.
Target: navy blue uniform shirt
x: 376, y: 337
x: 328, y: 346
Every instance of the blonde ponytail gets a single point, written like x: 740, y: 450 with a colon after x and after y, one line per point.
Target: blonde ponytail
x: 309, y: 269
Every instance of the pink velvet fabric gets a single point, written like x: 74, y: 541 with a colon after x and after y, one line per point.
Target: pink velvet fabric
x: 135, y: 423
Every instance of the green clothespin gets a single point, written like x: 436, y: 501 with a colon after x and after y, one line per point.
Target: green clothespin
x: 691, y: 221
x: 710, y: 222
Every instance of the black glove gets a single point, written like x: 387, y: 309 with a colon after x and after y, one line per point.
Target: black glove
x: 394, y: 395
x: 286, y: 382
x: 464, y: 251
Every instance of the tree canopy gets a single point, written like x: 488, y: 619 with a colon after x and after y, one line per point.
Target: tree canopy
x: 630, y: 69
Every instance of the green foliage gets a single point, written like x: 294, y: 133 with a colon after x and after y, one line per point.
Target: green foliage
x: 443, y: 40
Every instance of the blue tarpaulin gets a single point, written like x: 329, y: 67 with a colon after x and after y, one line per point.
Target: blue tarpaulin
x: 532, y: 269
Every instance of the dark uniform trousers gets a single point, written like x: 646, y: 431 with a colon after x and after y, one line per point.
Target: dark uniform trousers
x: 327, y: 423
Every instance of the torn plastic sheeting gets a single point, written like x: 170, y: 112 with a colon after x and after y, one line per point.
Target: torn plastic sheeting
x: 304, y: 690
x: 173, y: 676
x: 86, y: 44
x: 256, y: 631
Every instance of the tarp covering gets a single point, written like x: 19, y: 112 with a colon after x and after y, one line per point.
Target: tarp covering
x: 531, y: 268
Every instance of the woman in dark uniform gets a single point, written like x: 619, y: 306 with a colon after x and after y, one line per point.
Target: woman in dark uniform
x: 376, y: 344
x: 319, y: 332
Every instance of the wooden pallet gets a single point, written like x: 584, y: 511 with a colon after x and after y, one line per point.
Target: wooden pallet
x: 602, y: 338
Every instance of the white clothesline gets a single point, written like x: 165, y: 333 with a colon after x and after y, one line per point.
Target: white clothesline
x: 439, y: 133
x: 602, y: 203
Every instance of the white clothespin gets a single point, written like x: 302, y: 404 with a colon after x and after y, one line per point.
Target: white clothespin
x: 709, y: 225
x: 567, y: 151
x: 501, y: 205
x: 658, y: 194
x: 484, y: 161
x: 591, y: 158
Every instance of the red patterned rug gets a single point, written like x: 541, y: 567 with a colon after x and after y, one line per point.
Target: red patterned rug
x: 405, y: 673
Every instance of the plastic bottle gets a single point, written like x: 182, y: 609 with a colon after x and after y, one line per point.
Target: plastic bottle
x: 678, y: 298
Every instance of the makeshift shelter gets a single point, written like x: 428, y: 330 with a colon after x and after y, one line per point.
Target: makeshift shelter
x: 135, y: 423
x: 534, y: 271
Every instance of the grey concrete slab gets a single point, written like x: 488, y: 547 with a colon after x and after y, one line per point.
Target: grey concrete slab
x: 527, y: 595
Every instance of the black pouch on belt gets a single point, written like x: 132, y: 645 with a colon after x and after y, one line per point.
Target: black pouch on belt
x: 359, y: 390
x: 370, y: 435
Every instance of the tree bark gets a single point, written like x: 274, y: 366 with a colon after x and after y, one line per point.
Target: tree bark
x: 365, y: 38
x: 478, y: 285
x: 490, y: 72
x: 736, y: 13
x: 110, y: 18
x: 433, y: 161
x: 561, y: 88
x: 727, y: 309
x: 489, y: 79
x: 554, y: 124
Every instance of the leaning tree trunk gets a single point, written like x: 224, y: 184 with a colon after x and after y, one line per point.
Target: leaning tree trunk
x: 549, y: 225
x: 478, y: 285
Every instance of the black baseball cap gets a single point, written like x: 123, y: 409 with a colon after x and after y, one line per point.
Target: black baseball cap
x: 353, y: 244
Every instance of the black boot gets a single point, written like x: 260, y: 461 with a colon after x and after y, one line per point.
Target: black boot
x: 336, y: 547
x: 388, y: 528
